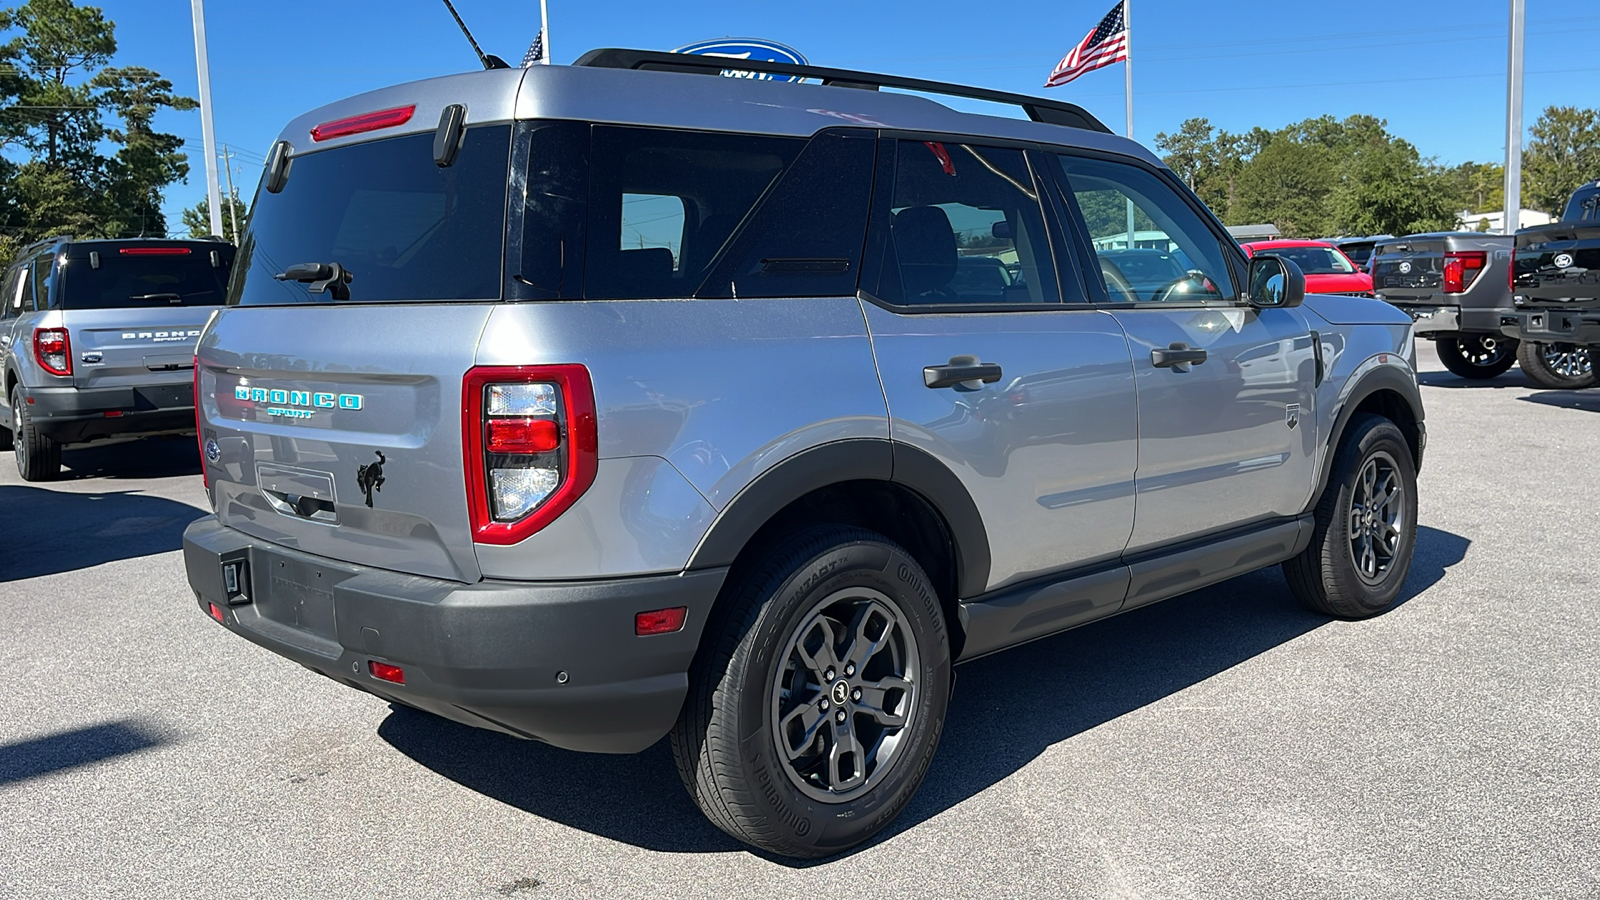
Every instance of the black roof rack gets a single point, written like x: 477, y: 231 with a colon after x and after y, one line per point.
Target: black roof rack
x: 1038, y: 109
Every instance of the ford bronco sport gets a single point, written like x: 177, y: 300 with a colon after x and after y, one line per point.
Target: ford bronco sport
x: 97, y: 341
x: 600, y: 403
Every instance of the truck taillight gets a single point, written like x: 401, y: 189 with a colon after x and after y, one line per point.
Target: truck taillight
x: 199, y: 428
x: 532, y: 446
x: 52, y: 347
x: 1461, y: 269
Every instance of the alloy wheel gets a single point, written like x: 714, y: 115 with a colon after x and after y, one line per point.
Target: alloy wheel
x: 1377, y: 518
x: 844, y: 694
x: 1483, y: 350
x: 1567, y: 360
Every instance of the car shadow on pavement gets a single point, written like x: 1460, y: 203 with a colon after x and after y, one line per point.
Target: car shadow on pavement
x: 1007, y: 709
x: 62, y: 531
x: 32, y: 758
x: 1585, y: 400
x: 1511, y: 379
x: 159, y: 457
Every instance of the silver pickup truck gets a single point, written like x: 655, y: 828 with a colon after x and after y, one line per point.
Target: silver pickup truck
x: 97, y: 341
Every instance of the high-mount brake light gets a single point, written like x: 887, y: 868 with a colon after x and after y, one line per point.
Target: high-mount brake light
x: 531, y: 445
x: 1461, y: 269
x: 154, y: 251
x: 52, y: 348
x: 372, y: 121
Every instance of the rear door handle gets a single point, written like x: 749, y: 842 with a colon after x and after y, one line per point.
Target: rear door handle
x: 960, y: 370
x: 1177, y: 356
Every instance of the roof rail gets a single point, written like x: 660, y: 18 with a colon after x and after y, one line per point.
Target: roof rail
x: 43, y: 242
x: 1052, y: 112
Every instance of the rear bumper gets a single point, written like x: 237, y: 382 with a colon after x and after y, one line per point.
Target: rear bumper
x: 557, y: 662
x: 72, y: 415
x: 1560, y: 326
x: 1442, y: 321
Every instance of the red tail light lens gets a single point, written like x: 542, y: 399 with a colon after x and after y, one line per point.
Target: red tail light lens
x: 1511, y: 271
x: 1462, y: 268
x: 531, y: 445
x: 660, y: 621
x: 154, y: 251
x: 52, y: 347
x: 199, y: 430
x: 386, y: 672
x: 372, y: 121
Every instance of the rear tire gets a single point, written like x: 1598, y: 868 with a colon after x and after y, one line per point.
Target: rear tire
x: 1560, y: 367
x: 38, y: 457
x: 1477, y: 356
x: 819, y: 694
x: 1366, y: 526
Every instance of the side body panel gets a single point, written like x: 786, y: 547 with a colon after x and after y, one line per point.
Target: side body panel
x: 695, y: 398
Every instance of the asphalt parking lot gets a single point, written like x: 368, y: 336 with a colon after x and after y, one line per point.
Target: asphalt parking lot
x: 1222, y: 744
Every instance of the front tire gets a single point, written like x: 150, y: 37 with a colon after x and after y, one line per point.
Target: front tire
x: 1366, y: 526
x: 1477, y: 356
x: 1558, y: 366
x: 38, y: 457
x: 819, y: 694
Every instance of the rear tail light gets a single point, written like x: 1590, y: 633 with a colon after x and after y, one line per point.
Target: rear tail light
x: 1462, y: 268
x: 386, y: 672
x: 1511, y: 271
x: 199, y: 430
x: 531, y: 445
x: 660, y: 621
x: 52, y: 347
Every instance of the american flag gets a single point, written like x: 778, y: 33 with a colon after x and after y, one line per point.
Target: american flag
x: 535, y: 50
x: 1106, y: 44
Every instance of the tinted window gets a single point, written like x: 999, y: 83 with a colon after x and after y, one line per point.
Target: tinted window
x: 1583, y: 205
x: 42, y: 280
x: 806, y: 238
x: 186, y: 278
x: 554, y: 211
x: 1313, y: 260
x: 964, y: 226
x: 405, y: 228
x: 691, y: 191
x: 11, y: 294
x: 1128, y: 208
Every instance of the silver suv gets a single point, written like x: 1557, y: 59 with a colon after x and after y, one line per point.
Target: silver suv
x: 601, y: 403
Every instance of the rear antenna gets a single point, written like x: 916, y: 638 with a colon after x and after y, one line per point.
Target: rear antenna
x: 489, y: 60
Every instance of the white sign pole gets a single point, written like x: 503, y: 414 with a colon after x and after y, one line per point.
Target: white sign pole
x: 207, y: 132
x: 1127, y: 90
x: 1513, y: 204
x: 544, y: 28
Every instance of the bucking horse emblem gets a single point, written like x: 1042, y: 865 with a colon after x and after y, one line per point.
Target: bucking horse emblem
x: 369, y: 477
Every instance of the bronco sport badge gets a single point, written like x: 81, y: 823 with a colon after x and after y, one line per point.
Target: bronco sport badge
x: 296, y: 404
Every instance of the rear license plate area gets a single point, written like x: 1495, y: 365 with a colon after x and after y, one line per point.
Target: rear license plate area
x: 296, y: 594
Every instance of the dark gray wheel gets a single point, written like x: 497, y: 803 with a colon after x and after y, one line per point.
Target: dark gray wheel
x: 38, y: 457
x: 1366, y: 525
x: 1477, y: 356
x: 819, y: 694
x: 1561, y: 367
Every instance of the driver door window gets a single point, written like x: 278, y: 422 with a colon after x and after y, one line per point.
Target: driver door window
x: 1151, y: 245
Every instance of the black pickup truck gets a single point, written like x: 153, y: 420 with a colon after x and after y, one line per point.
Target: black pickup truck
x: 1555, y: 281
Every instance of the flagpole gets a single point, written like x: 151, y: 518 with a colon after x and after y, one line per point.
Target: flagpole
x: 1127, y: 91
x: 208, y: 136
x: 544, y: 29
x: 1512, y: 216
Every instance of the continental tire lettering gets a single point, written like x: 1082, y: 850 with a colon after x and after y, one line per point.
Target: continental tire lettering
x: 781, y: 812
x: 921, y: 590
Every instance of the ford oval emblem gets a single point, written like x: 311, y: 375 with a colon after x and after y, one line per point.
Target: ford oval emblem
x: 1563, y: 260
x: 748, y: 48
x: 1405, y: 268
x: 213, y: 450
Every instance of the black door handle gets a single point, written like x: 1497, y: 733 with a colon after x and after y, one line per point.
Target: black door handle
x: 1178, y: 354
x: 961, y: 369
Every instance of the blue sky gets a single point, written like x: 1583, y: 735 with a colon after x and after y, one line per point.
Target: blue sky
x: 1435, y: 69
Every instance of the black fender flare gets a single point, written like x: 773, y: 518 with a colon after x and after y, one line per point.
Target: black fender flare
x: 859, y: 459
x: 1381, y: 378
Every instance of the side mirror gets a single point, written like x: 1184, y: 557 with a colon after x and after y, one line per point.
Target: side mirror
x: 1275, y: 283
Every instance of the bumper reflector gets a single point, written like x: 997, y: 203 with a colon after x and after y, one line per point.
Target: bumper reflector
x: 386, y: 672
x: 216, y: 611
x: 660, y: 621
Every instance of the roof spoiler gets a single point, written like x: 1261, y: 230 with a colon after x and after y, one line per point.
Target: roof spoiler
x: 1038, y: 109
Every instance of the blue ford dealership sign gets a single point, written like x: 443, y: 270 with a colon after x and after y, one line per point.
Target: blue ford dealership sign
x: 748, y: 48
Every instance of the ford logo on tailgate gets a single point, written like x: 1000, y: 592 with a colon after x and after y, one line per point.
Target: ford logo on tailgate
x: 748, y: 48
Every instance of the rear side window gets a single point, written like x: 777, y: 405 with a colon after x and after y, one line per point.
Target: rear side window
x: 186, y: 277
x: 1584, y: 206
x: 405, y: 228
x: 662, y: 204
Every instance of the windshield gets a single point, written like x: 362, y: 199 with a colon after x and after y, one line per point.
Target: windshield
x: 177, y: 276
x: 1313, y: 260
x: 403, y: 227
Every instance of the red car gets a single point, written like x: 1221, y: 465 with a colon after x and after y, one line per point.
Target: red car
x: 1328, y: 270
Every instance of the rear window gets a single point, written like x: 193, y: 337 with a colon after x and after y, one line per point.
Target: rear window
x: 1313, y: 260
x: 402, y: 226
x: 179, y: 276
x: 1584, y: 205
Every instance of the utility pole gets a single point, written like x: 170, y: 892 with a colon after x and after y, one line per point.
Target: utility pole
x: 207, y: 131
x: 233, y: 200
x: 1513, y: 212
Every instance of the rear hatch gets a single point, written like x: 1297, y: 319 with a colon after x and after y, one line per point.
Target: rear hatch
x: 332, y: 420
x: 1409, y: 270
x: 1559, y: 264
x: 134, y: 311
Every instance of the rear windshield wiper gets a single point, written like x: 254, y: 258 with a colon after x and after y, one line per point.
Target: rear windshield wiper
x: 169, y: 297
x: 320, y: 278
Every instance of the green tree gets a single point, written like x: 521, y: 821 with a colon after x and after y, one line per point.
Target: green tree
x: 1290, y: 184
x: 197, y: 218
x: 1386, y: 189
x: 1564, y: 154
x: 56, y: 97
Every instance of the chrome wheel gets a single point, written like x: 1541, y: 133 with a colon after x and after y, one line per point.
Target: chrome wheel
x: 1567, y: 360
x: 1377, y: 518
x: 844, y: 694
